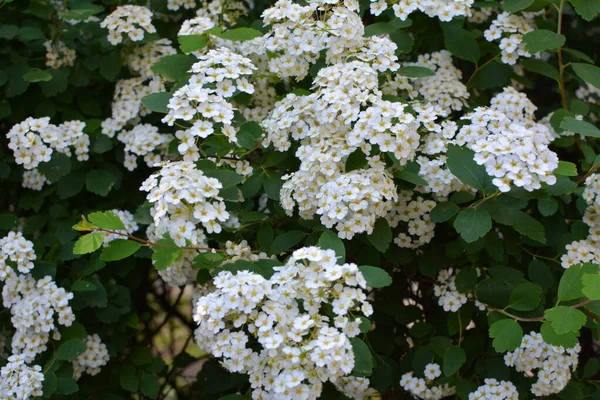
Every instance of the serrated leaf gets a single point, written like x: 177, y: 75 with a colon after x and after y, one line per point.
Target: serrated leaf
x: 463, y: 166
x: 174, y: 66
x: 70, y: 349
x: 157, y: 102
x: 375, y: 277
x: 191, y: 43
x: 588, y: 9
x: 581, y: 127
x: 567, y: 340
x: 513, y: 6
x: 460, y: 42
x: 106, y: 220
x: 82, y: 286
x: 37, y: 76
x: 208, y: 260
x: 442, y: 212
x: 128, y: 378
x: 89, y: 243
x: 415, y: 72
x: 363, y: 360
x: 507, y: 334
x: 381, y: 237
x: 543, y: 39
x: 58, y: 166
x: 240, y: 34
x: 542, y: 68
x: 119, y: 249
x: 565, y: 319
x: 466, y: 279
x: 149, y: 385
x: 330, y: 240
x: 379, y: 28
x: 99, y: 181
x: 286, y: 241
x: 526, y: 297
x: 166, y: 254
x: 227, y: 178
x: 472, y: 224
x: 591, y: 286
x: 454, y: 358
x: 570, y: 286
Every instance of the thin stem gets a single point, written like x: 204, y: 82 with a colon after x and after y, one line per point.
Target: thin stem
x: 561, y: 64
x: 479, y: 67
x: 533, y: 319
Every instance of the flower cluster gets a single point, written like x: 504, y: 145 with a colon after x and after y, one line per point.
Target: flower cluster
x: 445, y: 10
x: 257, y: 327
x: 414, y: 213
x: 186, y: 197
x: 58, y: 54
x: 94, y: 357
x: 203, y: 101
x: 492, y: 389
x: 175, y: 5
x: 300, y: 33
x: 34, y: 140
x: 19, y: 381
x: 554, y: 363
x: 444, y: 89
x: 587, y: 250
x: 16, y: 251
x: 509, y: 143
x: 144, y: 140
x: 128, y: 20
x: 127, y: 102
x: 428, y: 388
x: 510, y: 28
x: 141, y: 59
x: 128, y: 221
x: 449, y: 296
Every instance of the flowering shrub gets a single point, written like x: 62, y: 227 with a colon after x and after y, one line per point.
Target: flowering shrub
x: 279, y: 200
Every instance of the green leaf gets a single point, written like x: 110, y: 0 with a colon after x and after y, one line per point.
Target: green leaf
x: 30, y: 33
x: 410, y: 177
x: 565, y: 319
x: 191, y: 43
x: 106, y: 220
x: 415, y: 72
x: 548, y: 206
x: 375, y: 277
x: 381, y: 236
x: 526, y: 297
x: 518, y: 220
x: 50, y: 384
x: 566, y: 168
x: 82, y: 286
x: 507, y: 334
x: 7, y: 221
x: 512, y: 6
x: 379, y: 28
x: 591, y: 286
x: 66, y: 385
x: 588, y: 9
x: 495, y: 74
x: 167, y: 254
x: 157, y: 102
x: 463, y: 166
x: 454, y: 358
x: 240, y: 34
x: 110, y: 65
x: 587, y: 72
x: 542, y: 68
x: 99, y: 181
x: 571, y: 286
x: 466, y: 279
x: 227, y: 178
x: 460, y: 42
x: 89, y: 243
x: 540, y: 273
x: 543, y: 39
x: 208, y: 260
x: 472, y: 224
x: 119, y: 249
x: 286, y: 241
x: 442, y: 212
x: 363, y: 360
x: 330, y: 240
x: 567, y: 340
x: 58, y: 166
x: 128, y: 378
x: 272, y: 185
x: 252, y: 185
x: 37, y: 76
x: 580, y: 127
x: 175, y: 66
x: 149, y: 385
x: 81, y: 12
x: 70, y: 349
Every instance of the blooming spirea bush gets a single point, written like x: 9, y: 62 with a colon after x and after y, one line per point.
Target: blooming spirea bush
x: 283, y: 199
